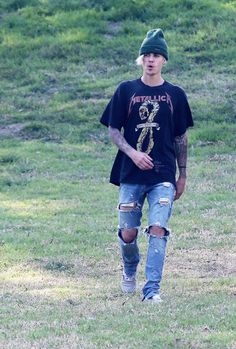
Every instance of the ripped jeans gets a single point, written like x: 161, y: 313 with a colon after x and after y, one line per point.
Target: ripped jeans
x: 160, y: 201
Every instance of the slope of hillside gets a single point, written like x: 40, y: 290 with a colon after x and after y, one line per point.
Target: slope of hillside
x: 61, y: 60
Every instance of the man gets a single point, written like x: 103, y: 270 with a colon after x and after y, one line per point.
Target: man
x: 147, y: 119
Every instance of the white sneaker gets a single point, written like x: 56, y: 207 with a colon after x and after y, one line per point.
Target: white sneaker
x: 154, y: 299
x: 128, y: 283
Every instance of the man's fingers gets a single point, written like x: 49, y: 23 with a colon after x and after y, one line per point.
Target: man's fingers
x: 177, y: 195
x: 180, y: 186
x: 148, y: 157
x: 148, y: 160
x: 146, y: 164
x: 142, y: 160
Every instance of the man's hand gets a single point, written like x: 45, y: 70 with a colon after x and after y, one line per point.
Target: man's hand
x: 180, y: 186
x: 141, y: 160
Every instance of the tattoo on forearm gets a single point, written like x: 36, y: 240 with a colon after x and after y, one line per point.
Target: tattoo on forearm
x: 119, y: 140
x: 181, y: 144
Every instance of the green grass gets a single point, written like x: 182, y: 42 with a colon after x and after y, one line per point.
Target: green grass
x: 60, y: 262
x: 61, y: 266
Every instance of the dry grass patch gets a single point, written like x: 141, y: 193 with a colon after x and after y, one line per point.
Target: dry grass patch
x: 202, y: 263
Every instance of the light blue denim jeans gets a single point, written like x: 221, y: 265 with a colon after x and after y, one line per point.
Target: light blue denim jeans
x: 160, y: 202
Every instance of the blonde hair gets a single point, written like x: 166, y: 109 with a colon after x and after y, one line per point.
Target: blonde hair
x: 139, y: 60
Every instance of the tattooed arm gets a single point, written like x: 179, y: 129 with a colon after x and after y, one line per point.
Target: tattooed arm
x: 181, y: 143
x: 141, y: 160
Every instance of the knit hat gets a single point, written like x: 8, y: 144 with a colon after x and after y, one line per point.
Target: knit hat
x: 154, y: 42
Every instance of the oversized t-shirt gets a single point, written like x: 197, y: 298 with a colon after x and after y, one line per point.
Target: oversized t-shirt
x: 150, y: 119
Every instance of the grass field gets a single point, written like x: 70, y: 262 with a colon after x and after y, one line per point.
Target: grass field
x: 60, y: 265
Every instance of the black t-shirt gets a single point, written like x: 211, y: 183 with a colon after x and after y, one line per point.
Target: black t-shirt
x: 150, y: 119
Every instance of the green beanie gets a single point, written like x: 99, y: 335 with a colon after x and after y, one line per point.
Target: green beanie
x: 154, y: 42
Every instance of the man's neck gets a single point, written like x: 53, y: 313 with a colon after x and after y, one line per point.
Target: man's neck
x: 152, y: 80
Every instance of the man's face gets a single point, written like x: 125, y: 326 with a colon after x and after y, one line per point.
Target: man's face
x: 153, y: 63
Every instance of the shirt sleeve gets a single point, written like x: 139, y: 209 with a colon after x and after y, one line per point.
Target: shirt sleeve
x: 182, y: 115
x: 115, y: 112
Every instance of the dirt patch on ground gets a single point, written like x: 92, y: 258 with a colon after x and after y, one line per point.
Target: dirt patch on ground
x: 12, y: 130
x: 202, y: 263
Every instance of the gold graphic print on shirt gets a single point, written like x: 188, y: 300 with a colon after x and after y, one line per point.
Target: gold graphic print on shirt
x: 147, y: 111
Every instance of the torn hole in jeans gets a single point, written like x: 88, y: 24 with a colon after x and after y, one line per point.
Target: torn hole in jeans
x: 148, y: 234
x: 128, y: 207
x: 164, y: 201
